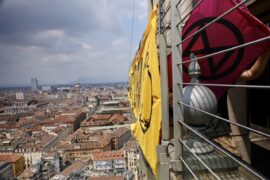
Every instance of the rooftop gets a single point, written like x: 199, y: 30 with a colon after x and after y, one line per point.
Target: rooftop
x: 120, y: 132
x: 78, y: 165
x: 108, y: 155
x: 11, y: 158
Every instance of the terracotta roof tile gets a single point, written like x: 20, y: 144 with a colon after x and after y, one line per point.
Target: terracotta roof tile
x: 118, y: 117
x: 11, y: 158
x: 74, y: 167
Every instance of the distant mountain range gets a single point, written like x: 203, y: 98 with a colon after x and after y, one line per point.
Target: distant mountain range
x: 91, y: 80
x: 85, y: 80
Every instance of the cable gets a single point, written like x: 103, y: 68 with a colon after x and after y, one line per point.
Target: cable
x: 177, y: 49
x: 199, y: 159
x: 227, y: 50
x: 187, y: 15
x: 215, y: 20
x: 223, y: 150
x: 131, y: 33
x: 226, y: 120
x: 227, y: 85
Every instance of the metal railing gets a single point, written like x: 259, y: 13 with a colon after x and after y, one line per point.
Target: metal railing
x: 180, y: 162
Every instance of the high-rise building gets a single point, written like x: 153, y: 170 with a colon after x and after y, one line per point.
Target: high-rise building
x: 34, y: 83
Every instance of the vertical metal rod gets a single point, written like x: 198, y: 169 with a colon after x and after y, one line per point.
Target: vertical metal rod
x: 163, y: 76
x: 177, y: 79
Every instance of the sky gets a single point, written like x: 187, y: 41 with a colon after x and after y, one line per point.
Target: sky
x: 61, y: 41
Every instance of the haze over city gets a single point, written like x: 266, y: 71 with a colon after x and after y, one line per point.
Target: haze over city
x: 68, y: 41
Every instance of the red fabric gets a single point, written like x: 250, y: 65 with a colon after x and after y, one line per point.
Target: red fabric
x: 234, y: 29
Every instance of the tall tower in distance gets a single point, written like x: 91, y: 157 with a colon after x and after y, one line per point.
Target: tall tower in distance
x: 34, y: 83
x: 77, y: 89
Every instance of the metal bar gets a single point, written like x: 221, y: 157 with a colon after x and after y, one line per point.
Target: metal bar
x: 199, y: 159
x: 189, y: 169
x: 159, y: 20
x: 163, y: 162
x: 177, y: 78
x: 189, y: 5
x: 163, y: 26
x: 167, y: 8
x: 228, y: 85
x: 161, y: 2
x: 164, y: 83
x: 223, y: 150
x: 168, y: 25
x: 162, y: 15
x: 190, y: 11
x: 223, y: 119
x: 177, y: 4
x: 165, y: 12
x: 215, y: 20
x: 229, y: 49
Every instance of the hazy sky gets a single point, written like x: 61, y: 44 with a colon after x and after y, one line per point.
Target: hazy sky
x: 59, y: 41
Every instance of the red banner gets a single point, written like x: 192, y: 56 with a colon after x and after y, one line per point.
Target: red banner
x: 236, y: 28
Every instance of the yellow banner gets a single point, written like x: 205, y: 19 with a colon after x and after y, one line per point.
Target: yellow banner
x: 145, y: 95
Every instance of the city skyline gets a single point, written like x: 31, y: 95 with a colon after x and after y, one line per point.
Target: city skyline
x: 71, y: 83
x: 38, y: 130
x: 61, y: 43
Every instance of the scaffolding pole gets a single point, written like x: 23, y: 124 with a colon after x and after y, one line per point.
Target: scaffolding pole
x: 177, y: 79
